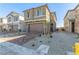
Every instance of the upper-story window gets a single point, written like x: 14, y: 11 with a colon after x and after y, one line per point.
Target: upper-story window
x: 15, y: 18
x: 28, y: 14
x: 43, y: 11
x: 9, y: 19
x: 38, y: 13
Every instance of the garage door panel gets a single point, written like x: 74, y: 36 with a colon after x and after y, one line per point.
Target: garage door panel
x: 36, y: 27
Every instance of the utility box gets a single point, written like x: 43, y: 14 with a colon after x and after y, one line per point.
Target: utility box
x: 76, y: 49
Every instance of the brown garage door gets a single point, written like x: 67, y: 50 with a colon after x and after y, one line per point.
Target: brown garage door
x: 37, y: 27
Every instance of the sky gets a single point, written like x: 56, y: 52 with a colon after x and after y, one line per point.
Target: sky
x: 60, y: 9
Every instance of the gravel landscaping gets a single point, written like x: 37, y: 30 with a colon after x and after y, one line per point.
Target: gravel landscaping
x: 59, y: 43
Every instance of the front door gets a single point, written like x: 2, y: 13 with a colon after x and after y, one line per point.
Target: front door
x: 51, y: 27
x: 72, y: 26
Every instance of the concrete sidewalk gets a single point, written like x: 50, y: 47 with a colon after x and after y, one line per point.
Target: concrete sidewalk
x: 7, y: 48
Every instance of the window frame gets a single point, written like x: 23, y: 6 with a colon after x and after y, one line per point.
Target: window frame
x: 9, y: 19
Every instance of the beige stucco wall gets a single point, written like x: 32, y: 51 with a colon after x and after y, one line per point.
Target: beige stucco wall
x: 31, y: 14
x: 66, y: 24
x: 48, y: 20
x: 77, y: 21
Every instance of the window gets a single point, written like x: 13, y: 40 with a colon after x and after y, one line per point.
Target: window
x: 43, y: 11
x: 9, y: 19
x: 28, y: 14
x: 38, y: 12
x: 16, y: 18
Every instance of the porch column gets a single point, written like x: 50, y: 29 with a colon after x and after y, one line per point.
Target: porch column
x: 69, y: 26
x: 44, y: 27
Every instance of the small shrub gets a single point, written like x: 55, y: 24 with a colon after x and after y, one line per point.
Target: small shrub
x: 43, y: 33
x: 40, y: 41
x: 33, y: 45
x: 51, y: 36
x: 40, y: 35
x: 19, y: 30
x: 77, y: 36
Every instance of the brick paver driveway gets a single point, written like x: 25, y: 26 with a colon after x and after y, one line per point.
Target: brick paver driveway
x: 59, y: 44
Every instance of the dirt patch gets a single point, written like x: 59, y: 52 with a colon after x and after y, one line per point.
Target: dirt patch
x: 24, y: 39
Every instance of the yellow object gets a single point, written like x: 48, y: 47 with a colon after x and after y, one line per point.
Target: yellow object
x: 76, y: 49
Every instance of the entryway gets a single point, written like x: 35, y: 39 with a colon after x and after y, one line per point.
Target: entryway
x: 51, y: 27
x: 72, y: 26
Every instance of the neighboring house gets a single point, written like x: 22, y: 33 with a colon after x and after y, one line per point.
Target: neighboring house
x: 71, y: 20
x: 40, y: 19
x: 3, y: 26
x: 15, y: 22
x: 68, y: 20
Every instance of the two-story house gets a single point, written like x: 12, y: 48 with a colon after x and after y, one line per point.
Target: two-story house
x: 71, y: 20
x: 15, y: 22
x: 40, y: 19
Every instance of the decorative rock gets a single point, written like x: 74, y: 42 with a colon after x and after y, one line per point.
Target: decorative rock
x: 33, y: 45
